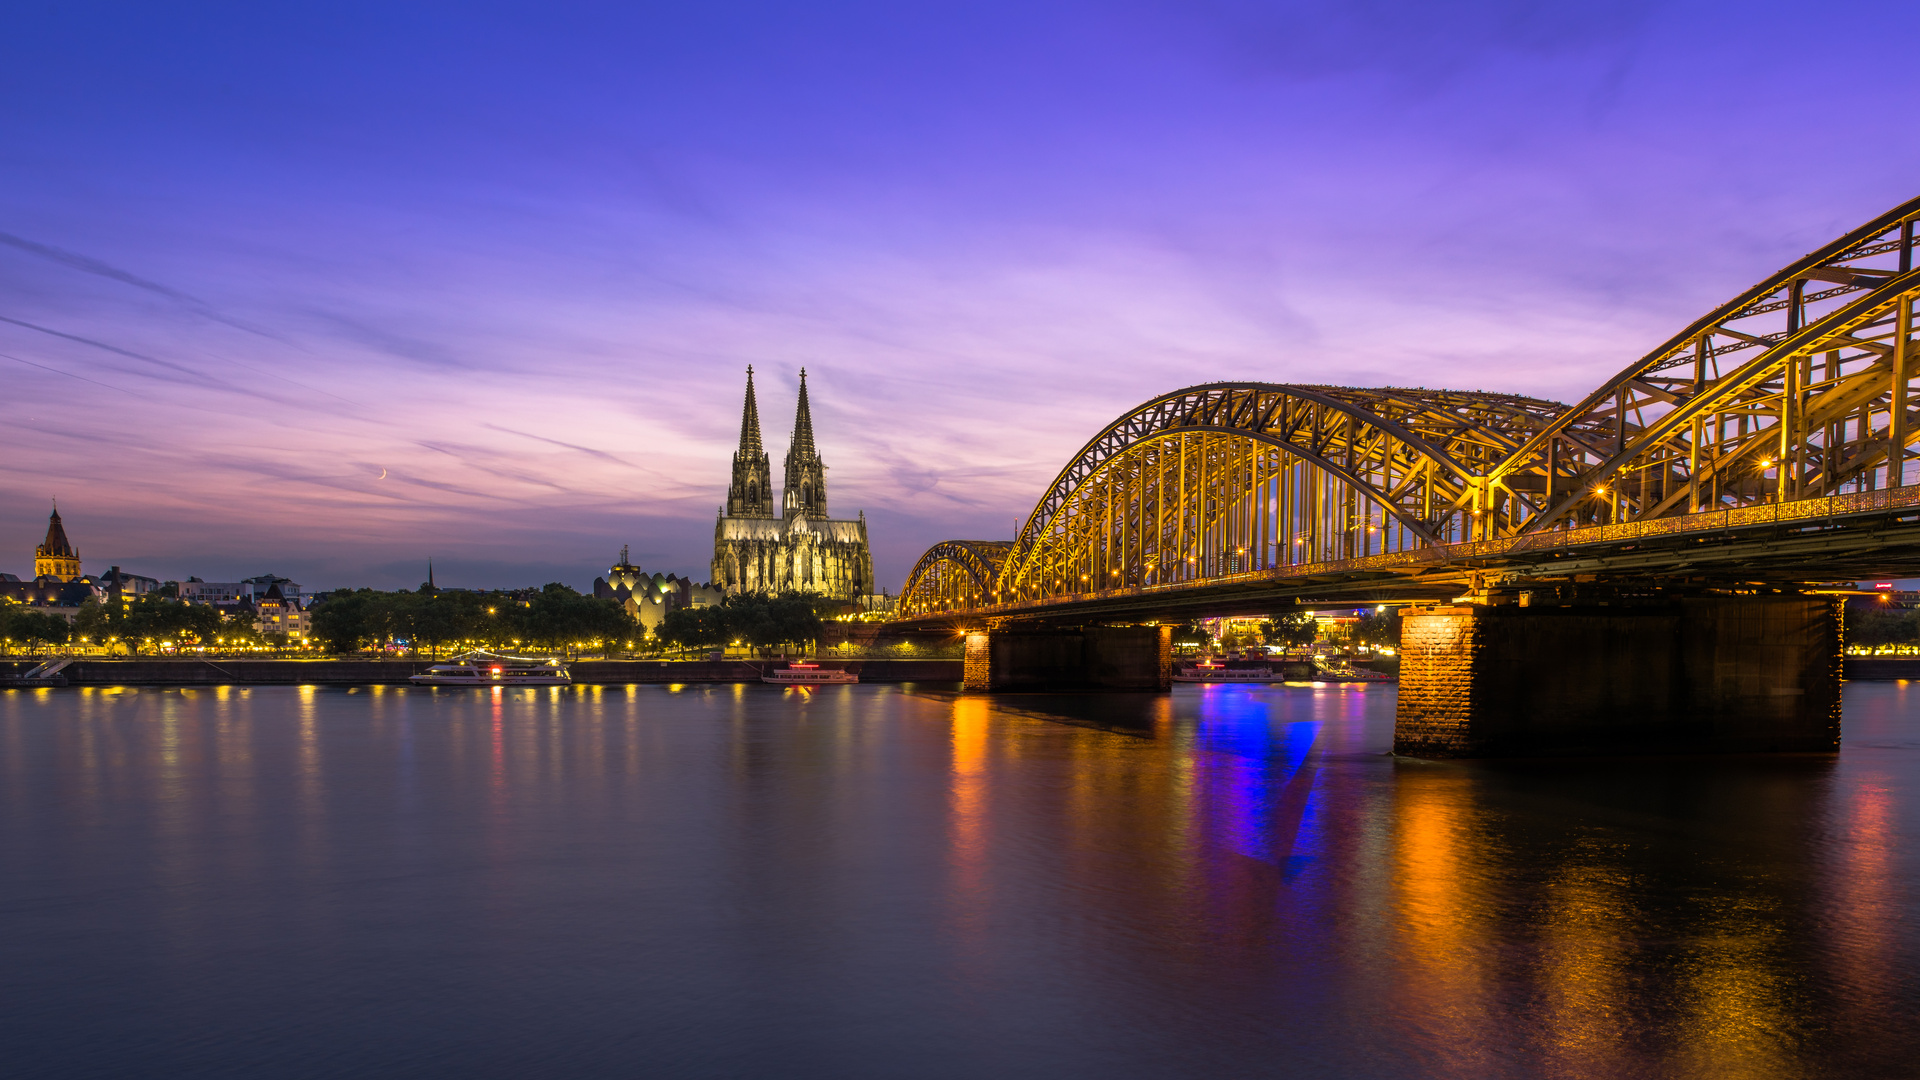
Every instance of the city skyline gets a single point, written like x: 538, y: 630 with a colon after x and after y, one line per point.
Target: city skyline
x: 516, y: 263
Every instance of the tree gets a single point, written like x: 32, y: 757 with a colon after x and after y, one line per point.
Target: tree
x: 1190, y: 636
x: 764, y: 622
x: 1295, y: 628
x: 561, y: 620
x: 1878, y: 623
x: 1378, y: 629
x: 237, y: 631
x: 33, y: 628
x: 342, y: 619
x: 98, y: 622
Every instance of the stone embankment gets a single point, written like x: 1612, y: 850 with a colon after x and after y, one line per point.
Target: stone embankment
x: 185, y: 672
x: 1883, y: 668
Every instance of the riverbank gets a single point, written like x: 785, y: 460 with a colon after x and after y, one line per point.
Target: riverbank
x: 1882, y: 668
x: 351, y: 672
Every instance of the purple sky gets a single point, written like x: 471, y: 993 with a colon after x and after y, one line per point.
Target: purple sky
x: 518, y: 256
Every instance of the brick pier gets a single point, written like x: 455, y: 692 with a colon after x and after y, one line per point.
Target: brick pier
x: 1708, y: 674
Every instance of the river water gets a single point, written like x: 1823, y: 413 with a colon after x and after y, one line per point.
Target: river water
x: 884, y: 881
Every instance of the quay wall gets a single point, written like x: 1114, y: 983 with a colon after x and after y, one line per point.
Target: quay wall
x: 1883, y: 668
x: 188, y: 672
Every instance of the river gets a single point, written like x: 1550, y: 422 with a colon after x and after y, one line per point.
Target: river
x: 890, y: 881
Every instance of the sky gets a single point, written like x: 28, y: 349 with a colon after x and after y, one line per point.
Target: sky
x: 323, y: 290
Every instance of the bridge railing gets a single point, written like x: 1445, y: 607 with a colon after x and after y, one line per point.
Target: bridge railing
x: 1708, y: 521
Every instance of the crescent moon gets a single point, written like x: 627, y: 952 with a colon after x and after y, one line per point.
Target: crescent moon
x: 383, y: 474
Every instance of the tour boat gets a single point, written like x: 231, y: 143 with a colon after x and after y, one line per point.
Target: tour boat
x: 1331, y: 671
x: 495, y: 671
x: 1208, y: 670
x: 801, y: 673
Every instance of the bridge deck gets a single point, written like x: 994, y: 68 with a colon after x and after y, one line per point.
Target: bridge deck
x: 1842, y: 537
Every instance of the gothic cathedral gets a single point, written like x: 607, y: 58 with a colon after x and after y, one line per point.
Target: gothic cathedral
x: 797, y: 549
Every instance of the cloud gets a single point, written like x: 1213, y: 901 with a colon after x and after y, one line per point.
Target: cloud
x: 89, y: 265
x: 71, y: 375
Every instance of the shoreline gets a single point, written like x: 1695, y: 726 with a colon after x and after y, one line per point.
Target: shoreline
x: 335, y: 672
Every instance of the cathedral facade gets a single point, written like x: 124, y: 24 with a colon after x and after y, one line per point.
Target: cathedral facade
x: 794, y: 547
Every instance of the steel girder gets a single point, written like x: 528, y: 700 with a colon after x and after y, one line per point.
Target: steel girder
x: 1796, y: 388
x: 954, y: 575
x: 1232, y: 476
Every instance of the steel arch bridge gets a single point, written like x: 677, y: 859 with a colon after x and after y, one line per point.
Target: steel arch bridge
x: 1789, y: 404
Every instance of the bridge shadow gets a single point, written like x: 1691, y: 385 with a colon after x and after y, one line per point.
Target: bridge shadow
x: 1120, y: 712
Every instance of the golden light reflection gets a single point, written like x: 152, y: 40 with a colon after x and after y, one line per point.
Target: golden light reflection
x: 967, y: 793
x: 498, y: 787
x: 1583, y: 969
x: 1441, y: 982
x: 1866, y: 898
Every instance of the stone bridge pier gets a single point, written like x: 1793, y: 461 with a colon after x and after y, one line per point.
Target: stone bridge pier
x: 1079, y: 658
x: 1720, y: 674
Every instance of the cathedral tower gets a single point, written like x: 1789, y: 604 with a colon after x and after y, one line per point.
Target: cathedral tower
x: 805, y: 492
x: 751, y: 495
x: 757, y: 550
x: 56, y: 558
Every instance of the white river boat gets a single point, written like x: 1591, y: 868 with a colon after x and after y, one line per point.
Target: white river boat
x: 801, y: 673
x: 488, y: 670
x: 1212, y: 671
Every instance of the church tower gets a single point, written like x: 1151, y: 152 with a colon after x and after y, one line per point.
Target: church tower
x: 800, y: 551
x: 56, y: 558
x: 805, y: 492
x: 751, y: 495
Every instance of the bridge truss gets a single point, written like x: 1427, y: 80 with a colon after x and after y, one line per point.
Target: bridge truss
x: 1797, y: 389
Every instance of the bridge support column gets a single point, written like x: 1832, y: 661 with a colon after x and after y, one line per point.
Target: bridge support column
x: 1711, y: 674
x: 1087, y: 658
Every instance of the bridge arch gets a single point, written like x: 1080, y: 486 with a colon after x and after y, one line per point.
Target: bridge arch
x: 1799, y: 387
x: 1796, y: 388
x: 1234, y: 477
x: 954, y: 575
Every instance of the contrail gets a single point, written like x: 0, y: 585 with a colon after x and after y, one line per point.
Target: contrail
x: 88, y: 265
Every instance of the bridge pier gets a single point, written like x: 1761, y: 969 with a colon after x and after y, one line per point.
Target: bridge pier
x: 1082, y: 658
x: 1723, y: 674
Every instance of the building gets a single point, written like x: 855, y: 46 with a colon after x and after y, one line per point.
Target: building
x: 254, y: 588
x: 800, y: 549
x: 195, y: 591
x: 57, y: 558
x: 133, y: 584
x: 51, y: 595
x: 648, y: 598
x: 278, y: 614
x: 58, y: 587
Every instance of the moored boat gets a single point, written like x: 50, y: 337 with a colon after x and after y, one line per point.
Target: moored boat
x: 486, y: 669
x: 1336, y: 671
x: 801, y: 673
x: 1209, y: 670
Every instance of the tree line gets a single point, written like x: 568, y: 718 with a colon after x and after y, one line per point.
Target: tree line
x: 144, y: 622
x: 765, y: 623
x: 554, y: 619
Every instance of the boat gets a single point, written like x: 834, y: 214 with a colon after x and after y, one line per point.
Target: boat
x: 801, y: 673
x: 1337, y: 671
x: 1209, y: 670
x: 488, y: 669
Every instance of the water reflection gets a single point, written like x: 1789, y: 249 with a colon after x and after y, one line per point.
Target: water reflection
x: 878, y: 881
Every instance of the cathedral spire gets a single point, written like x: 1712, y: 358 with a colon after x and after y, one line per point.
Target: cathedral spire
x: 750, y: 421
x: 806, y: 487
x: 803, y: 422
x: 751, y: 493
